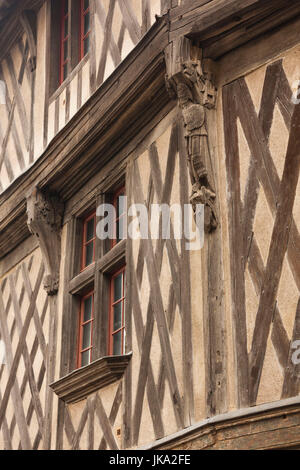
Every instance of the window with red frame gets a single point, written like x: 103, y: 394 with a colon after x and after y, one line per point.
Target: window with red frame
x: 85, y: 27
x: 64, y: 41
x: 119, y: 203
x: 89, y: 241
x: 117, y: 313
x: 86, y: 322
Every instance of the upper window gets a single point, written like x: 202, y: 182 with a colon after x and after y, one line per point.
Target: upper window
x: 70, y: 37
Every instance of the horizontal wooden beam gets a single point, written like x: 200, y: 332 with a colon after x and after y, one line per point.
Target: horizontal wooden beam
x: 220, y: 26
x: 207, y: 16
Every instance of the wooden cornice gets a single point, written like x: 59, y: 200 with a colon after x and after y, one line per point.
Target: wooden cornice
x: 111, y: 118
x: 83, y: 382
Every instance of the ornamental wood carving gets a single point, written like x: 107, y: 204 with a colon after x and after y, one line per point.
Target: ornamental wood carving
x: 193, y: 87
x: 44, y: 219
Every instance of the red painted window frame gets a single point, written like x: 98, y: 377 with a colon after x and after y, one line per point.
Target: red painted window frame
x: 85, y: 242
x: 83, y: 36
x: 115, y: 204
x: 63, y: 39
x: 81, y: 326
x: 111, y: 312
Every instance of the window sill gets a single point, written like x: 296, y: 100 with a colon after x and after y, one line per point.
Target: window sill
x: 83, y: 382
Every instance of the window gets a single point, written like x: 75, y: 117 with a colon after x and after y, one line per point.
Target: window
x: 71, y: 28
x: 86, y: 322
x: 64, y: 40
x: 85, y: 27
x: 119, y: 203
x: 95, y: 303
x: 89, y: 241
x: 117, y: 313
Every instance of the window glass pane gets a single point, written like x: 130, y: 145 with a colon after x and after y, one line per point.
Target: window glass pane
x: 85, y: 358
x: 86, y: 337
x: 86, y: 45
x: 118, y: 316
x: 89, y: 249
x: 86, y: 23
x: 121, y: 205
x: 88, y: 309
x: 90, y: 230
x: 65, y: 50
x: 66, y: 29
x: 117, y: 348
x: 118, y: 287
x: 86, y: 4
x: 65, y: 71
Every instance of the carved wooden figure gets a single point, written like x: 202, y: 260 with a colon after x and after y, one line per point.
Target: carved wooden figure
x: 196, y: 93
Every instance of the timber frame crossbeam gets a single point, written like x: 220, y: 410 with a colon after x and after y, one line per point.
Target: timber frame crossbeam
x: 130, y: 99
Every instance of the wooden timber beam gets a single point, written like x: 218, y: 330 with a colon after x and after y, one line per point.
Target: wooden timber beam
x: 219, y: 26
x: 28, y: 21
x: 11, y: 28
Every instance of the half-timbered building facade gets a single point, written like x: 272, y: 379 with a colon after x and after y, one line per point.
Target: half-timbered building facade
x: 149, y: 342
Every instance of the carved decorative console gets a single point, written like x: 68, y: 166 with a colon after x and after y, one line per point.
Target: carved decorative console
x: 44, y: 213
x: 191, y: 81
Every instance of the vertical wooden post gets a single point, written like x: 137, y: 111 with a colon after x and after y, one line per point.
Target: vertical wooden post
x: 45, y: 212
x: 190, y: 80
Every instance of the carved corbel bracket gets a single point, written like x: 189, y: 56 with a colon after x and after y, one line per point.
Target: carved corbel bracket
x: 190, y: 80
x: 44, y: 219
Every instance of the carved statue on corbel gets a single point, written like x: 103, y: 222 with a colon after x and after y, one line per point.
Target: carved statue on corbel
x: 44, y: 219
x: 194, y: 89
